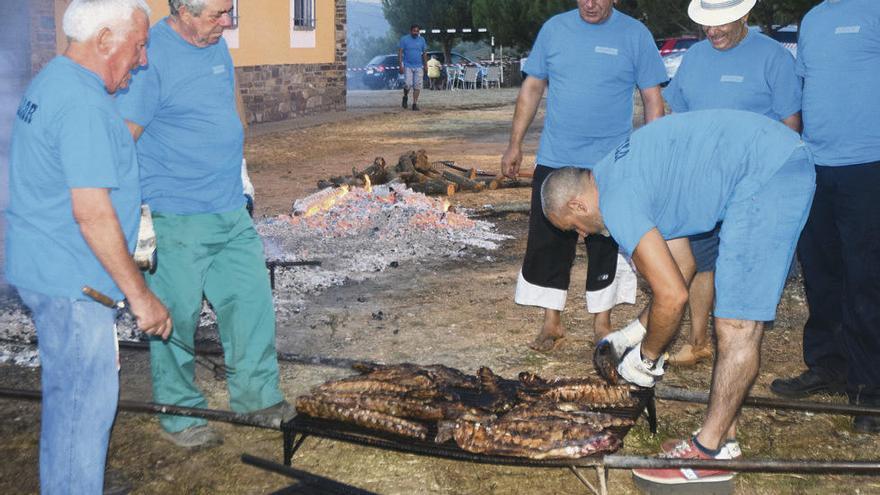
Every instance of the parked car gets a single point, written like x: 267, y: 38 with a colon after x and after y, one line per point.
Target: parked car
x: 382, y: 72
x: 675, y: 45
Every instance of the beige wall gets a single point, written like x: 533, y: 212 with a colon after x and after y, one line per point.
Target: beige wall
x: 264, y: 32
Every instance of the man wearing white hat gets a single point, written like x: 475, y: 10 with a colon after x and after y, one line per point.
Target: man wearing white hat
x: 739, y: 69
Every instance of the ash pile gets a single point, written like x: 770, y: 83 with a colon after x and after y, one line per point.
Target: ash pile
x: 356, y: 232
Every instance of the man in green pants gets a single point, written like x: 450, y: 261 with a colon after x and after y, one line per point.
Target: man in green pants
x: 182, y: 112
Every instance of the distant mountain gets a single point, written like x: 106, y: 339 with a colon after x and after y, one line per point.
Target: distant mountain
x: 366, y: 17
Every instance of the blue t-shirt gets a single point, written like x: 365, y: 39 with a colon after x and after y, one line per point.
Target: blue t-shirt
x: 413, y: 48
x: 839, y: 60
x: 67, y: 135
x: 650, y: 179
x: 592, y: 70
x: 191, y: 148
x: 757, y: 75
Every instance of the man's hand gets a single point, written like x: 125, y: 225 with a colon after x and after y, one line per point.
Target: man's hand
x: 151, y: 315
x: 635, y: 371
x: 511, y: 161
x: 611, y: 349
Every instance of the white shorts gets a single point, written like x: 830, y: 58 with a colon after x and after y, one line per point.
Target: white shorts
x: 412, y: 77
x: 622, y: 289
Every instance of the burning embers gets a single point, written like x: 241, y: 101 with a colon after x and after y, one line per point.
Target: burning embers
x: 485, y: 414
x: 345, y: 211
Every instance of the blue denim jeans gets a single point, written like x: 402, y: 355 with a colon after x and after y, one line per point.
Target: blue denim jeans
x: 80, y: 384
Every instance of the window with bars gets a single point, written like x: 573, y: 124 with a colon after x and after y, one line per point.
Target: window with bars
x: 303, y: 14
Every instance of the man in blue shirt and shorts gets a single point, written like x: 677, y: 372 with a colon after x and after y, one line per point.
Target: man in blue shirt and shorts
x: 72, y: 222
x: 589, y: 60
x: 756, y: 176
x: 839, y: 62
x: 411, y: 52
x: 181, y: 110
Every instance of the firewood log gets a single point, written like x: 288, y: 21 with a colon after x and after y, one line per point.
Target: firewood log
x: 464, y: 183
x: 434, y: 187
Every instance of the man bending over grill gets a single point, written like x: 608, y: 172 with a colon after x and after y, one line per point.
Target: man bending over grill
x: 754, y: 174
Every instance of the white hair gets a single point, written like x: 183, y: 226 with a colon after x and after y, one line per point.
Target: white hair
x: 560, y: 187
x: 194, y: 7
x: 83, y: 19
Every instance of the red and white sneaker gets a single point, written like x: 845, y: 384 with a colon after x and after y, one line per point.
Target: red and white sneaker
x: 729, y: 449
x: 685, y: 449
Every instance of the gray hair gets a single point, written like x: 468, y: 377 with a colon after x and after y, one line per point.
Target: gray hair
x: 561, y: 186
x: 83, y: 19
x: 195, y: 7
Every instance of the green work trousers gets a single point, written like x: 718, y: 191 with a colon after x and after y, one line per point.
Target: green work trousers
x: 218, y: 256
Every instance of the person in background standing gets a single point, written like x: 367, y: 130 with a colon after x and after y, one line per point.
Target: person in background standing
x: 412, y: 56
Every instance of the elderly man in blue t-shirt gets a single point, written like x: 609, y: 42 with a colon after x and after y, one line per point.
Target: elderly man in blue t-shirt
x: 757, y: 177
x: 740, y: 69
x: 182, y: 111
x: 592, y: 59
x: 72, y: 222
x: 839, y: 61
x: 413, y: 59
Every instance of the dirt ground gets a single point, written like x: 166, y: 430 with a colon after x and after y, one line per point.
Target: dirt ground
x: 456, y: 312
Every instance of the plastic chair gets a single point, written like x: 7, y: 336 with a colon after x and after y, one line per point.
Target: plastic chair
x: 453, y: 77
x: 470, y: 77
x: 493, y: 75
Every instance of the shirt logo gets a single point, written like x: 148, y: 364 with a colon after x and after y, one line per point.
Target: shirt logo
x: 732, y: 79
x: 219, y: 69
x: 26, y: 110
x: 847, y: 29
x: 606, y: 50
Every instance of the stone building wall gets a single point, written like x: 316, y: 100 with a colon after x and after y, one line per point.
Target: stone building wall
x: 42, y: 33
x: 280, y: 92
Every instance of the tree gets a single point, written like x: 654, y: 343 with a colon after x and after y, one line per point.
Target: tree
x: 401, y: 14
x: 773, y: 14
x: 516, y: 22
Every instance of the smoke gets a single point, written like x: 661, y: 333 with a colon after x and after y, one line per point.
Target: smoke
x: 15, y: 67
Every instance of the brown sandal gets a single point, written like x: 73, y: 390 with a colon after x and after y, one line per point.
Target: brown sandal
x: 546, y: 343
x: 689, y: 355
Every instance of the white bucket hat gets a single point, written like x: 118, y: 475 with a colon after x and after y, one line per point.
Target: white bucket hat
x: 718, y: 12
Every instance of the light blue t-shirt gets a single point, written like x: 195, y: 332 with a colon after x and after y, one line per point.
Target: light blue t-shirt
x: 592, y: 70
x: 67, y: 135
x: 839, y: 60
x: 191, y: 148
x: 757, y: 75
x: 650, y: 179
x: 413, y: 48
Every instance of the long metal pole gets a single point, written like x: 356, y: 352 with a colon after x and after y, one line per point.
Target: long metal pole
x: 871, y: 468
x: 243, y: 419
x: 683, y: 395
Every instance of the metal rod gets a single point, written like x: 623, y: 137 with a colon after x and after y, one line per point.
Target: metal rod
x: 219, y: 369
x: 584, y: 481
x: 242, y: 419
x: 326, y: 485
x: 683, y: 395
x: 871, y: 468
